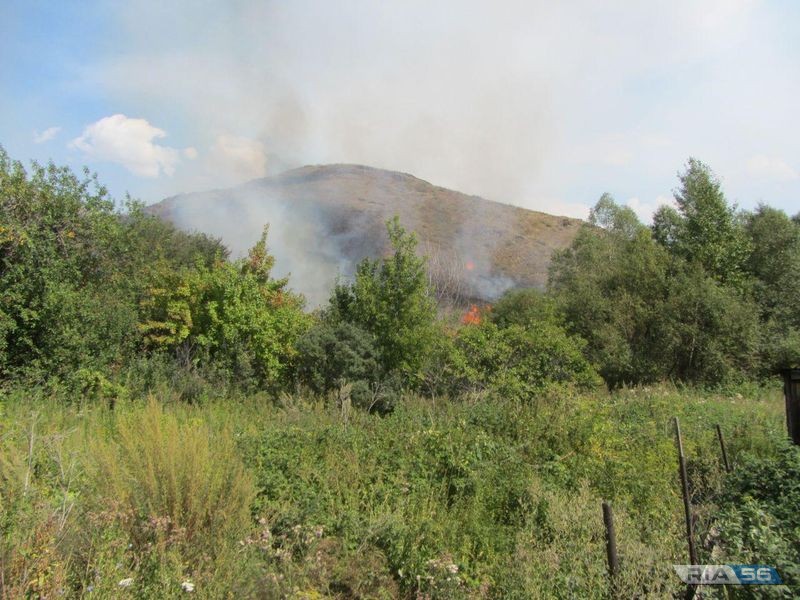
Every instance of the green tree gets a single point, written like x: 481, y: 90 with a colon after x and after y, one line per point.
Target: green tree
x: 332, y: 354
x: 390, y: 299
x: 709, y: 231
x: 59, y: 309
x: 73, y: 270
x: 232, y: 317
x: 708, y: 333
x: 648, y: 314
x: 611, y: 285
x: 774, y: 265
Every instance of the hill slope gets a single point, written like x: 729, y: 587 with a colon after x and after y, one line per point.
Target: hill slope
x: 326, y: 218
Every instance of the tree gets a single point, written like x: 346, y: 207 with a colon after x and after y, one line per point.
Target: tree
x: 232, y: 317
x: 775, y: 266
x: 618, y: 220
x: 390, y: 299
x: 610, y: 285
x: 708, y: 231
x: 708, y: 332
x: 73, y: 270
x: 648, y: 314
x: 332, y: 354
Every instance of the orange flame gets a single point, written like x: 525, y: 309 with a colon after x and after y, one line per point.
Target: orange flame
x: 472, y: 316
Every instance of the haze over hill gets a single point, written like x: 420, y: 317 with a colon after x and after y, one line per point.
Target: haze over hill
x: 324, y: 219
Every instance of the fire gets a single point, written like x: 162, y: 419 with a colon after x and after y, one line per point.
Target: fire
x: 472, y: 316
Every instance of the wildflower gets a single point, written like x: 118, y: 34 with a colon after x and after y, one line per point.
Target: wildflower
x: 187, y: 586
x: 453, y: 568
x: 127, y: 582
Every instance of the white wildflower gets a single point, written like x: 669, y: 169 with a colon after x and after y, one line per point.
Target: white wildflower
x: 127, y: 582
x: 187, y: 586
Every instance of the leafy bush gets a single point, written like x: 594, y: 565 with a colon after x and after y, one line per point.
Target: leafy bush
x: 526, y: 307
x: 330, y: 354
x: 522, y: 362
x: 231, y: 317
x: 758, y: 521
x: 73, y: 269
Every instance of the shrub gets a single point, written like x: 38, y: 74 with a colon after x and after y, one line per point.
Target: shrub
x: 758, y: 519
x: 522, y: 362
x: 331, y: 353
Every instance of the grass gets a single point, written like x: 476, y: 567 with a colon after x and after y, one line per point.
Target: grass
x: 255, y: 497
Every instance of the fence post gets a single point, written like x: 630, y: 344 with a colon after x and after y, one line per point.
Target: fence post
x: 791, y: 392
x: 724, y: 451
x: 687, y: 503
x: 611, y: 547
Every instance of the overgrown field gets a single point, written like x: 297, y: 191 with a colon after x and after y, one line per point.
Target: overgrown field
x: 304, y: 498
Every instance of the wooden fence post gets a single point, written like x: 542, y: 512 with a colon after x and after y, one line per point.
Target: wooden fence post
x: 611, y: 547
x: 724, y: 451
x: 687, y: 503
x: 791, y: 392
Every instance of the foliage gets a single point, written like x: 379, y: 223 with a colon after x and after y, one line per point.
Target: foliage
x: 610, y: 285
x: 775, y: 266
x: 525, y: 307
x: 706, y: 229
x: 331, y: 354
x: 390, y: 300
x: 709, y: 333
x: 650, y: 312
x: 232, y: 316
x: 521, y: 362
x: 758, y: 517
x: 72, y: 271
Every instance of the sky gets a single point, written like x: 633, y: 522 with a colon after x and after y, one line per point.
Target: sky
x: 541, y: 104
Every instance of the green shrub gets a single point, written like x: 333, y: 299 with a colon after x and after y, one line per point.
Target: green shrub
x: 233, y: 318
x: 332, y: 353
x: 522, y: 362
x: 758, y: 522
x: 390, y: 298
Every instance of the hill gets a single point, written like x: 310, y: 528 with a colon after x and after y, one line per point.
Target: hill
x: 325, y: 218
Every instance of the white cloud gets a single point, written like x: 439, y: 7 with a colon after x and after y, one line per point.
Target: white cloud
x: 45, y: 136
x: 771, y: 167
x: 244, y: 158
x: 130, y: 143
x: 190, y: 153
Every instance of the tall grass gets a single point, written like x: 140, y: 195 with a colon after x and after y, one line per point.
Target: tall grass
x: 174, y: 477
x: 250, y: 497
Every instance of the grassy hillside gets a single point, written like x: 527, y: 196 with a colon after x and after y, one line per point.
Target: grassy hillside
x: 477, y: 246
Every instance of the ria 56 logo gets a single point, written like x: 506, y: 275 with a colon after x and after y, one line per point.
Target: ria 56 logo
x: 728, y: 574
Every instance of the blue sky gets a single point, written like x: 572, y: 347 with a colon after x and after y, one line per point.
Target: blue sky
x: 541, y: 104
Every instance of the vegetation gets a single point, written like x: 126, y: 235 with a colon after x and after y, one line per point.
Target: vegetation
x: 704, y: 296
x: 174, y: 421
